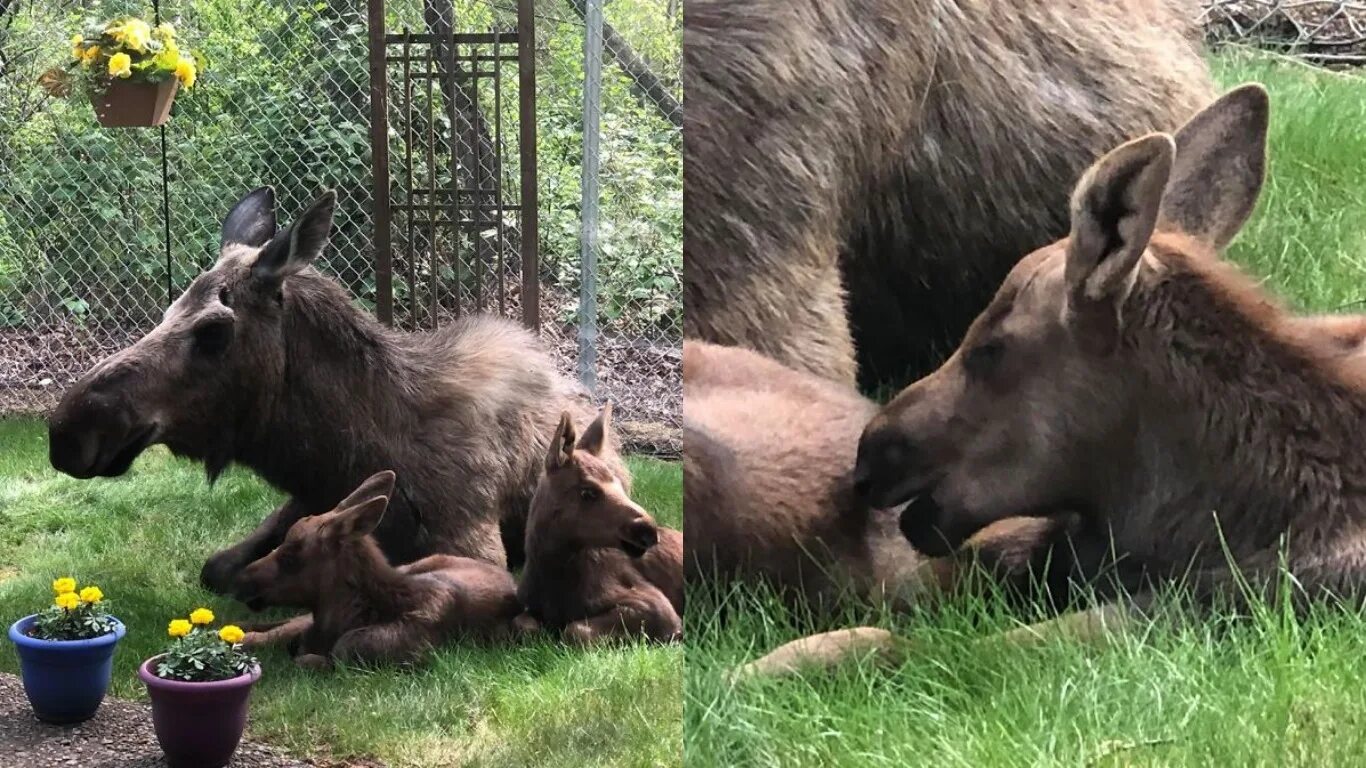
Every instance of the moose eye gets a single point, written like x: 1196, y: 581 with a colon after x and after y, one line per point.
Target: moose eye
x: 211, y: 338
x: 589, y: 493
x: 223, y: 296
x: 981, y: 359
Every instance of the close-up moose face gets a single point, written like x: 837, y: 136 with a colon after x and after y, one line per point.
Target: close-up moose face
x: 1039, y: 408
x: 580, y: 503
x: 210, y: 367
x: 319, y: 552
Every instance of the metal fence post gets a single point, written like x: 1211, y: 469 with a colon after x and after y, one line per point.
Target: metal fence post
x: 588, y: 224
x: 379, y: 162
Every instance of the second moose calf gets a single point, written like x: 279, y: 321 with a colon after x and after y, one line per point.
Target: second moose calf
x: 363, y: 608
x: 598, y: 567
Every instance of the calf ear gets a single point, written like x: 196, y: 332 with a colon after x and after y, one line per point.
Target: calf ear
x: 595, y: 437
x: 297, y: 247
x: 1220, y: 167
x: 363, y: 518
x: 378, y: 484
x: 252, y: 221
x: 1114, y: 210
x: 562, y: 444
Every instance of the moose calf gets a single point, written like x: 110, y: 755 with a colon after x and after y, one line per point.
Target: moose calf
x: 598, y: 567
x: 362, y: 608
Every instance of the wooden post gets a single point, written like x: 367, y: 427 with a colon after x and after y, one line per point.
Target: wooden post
x: 379, y: 163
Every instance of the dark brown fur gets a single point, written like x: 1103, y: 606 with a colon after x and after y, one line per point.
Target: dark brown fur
x: 598, y: 567
x: 1137, y: 377
x: 265, y: 362
x: 768, y: 453
x: 362, y: 609
x: 928, y: 144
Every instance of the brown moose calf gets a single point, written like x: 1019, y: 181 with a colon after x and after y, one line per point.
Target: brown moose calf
x: 362, y: 608
x: 598, y: 567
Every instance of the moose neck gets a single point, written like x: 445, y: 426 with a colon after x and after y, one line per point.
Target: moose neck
x: 1244, y: 434
x: 341, y: 387
x: 372, y: 590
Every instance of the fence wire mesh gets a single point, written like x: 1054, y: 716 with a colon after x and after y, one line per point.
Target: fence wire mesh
x: 285, y: 101
x: 1326, y: 32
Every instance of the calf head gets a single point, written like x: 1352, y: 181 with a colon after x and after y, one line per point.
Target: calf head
x: 1037, y: 404
x: 580, y: 503
x: 320, y: 553
x: 207, y: 369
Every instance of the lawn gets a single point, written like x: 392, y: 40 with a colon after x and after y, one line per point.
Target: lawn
x: 143, y: 538
x: 1269, y: 691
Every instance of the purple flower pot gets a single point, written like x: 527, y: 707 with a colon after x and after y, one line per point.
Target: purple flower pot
x: 198, y: 725
x: 64, y: 680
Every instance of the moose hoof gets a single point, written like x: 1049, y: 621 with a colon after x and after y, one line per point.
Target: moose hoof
x: 579, y: 634
x: 313, y: 662
x: 526, y: 624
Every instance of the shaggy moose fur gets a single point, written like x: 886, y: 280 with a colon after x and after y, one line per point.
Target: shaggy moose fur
x: 362, y: 609
x: 916, y: 147
x: 265, y: 362
x: 598, y: 567
x: 767, y: 458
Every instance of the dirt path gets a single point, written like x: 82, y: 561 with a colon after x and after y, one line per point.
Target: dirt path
x: 119, y: 736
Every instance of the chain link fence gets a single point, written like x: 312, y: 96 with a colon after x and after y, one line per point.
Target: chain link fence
x: 1324, y: 32
x: 84, y: 264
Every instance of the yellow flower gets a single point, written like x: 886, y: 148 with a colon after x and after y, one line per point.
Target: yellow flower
x: 186, y: 71
x: 201, y: 616
x: 75, y: 40
x: 91, y: 53
x: 178, y: 628
x: 77, y: 52
x: 231, y: 634
x: 120, y: 65
x: 165, y: 31
x: 67, y: 600
x: 91, y: 594
x: 133, y: 34
x: 63, y: 585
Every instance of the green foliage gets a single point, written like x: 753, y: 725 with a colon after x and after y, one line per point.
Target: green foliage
x: 84, y: 621
x: 203, y: 656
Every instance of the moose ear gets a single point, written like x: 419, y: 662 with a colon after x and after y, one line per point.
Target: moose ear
x: 297, y: 247
x: 595, y: 437
x: 378, y: 484
x: 252, y: 221
x: 1220, y: 167
x: 561, y: 445
x: 1114, y: 210
x: 363, y: 518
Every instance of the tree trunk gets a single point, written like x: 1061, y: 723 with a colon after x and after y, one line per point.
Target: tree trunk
x: 645, y: 84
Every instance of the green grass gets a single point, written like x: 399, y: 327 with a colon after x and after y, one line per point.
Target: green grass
x: 1267, y: 692
x: 143, y: 538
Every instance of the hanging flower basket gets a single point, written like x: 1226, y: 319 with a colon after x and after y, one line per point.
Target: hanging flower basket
x: 123, y: 104
x: 129, y: 70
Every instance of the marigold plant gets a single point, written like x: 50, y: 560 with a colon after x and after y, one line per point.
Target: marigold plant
x: 73, y: 615
x: 125, y: 48
x: 199, y: 654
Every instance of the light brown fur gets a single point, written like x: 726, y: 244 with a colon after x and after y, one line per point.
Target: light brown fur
x: 363, y: 610
x: 837, y: 146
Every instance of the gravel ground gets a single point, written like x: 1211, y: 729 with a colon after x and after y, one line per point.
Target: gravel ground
x: 119, y: 736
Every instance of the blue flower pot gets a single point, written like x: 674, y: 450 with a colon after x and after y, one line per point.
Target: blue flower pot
x: 65, y: 680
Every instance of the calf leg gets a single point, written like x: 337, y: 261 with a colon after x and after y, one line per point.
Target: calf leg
x: 392, y: 643
x: 648, y: 615
x: 222, y: 568
x: 279, y: 633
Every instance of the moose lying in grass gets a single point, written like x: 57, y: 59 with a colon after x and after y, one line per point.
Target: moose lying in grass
x: 598, y: 567
x: 361, y: 608
x: 265, y: 362
x: 770, y: 499
x: 1127, y: 373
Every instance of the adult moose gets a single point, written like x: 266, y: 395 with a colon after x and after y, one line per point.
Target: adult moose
x: 844, y: 144
x: 265, y: 362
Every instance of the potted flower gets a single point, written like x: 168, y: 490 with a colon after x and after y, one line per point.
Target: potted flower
x: 200, y: 688
x: 66, y: 653
x: 129, y: 70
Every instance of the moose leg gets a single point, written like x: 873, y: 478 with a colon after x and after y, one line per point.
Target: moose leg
x: 650, y: 616
x: 222, y: 568
x: 392, y: 643
x: 279, y: 633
